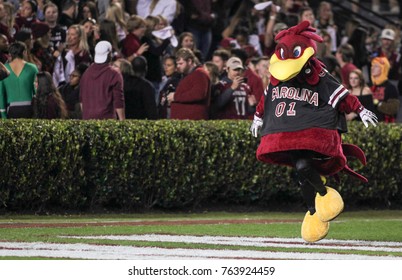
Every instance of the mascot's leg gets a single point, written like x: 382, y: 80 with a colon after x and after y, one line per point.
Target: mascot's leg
x: 328, y: 202
x: 323, y: 203
x: 313, y: 229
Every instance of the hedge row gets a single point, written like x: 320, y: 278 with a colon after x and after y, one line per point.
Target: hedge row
x: 132, y: 165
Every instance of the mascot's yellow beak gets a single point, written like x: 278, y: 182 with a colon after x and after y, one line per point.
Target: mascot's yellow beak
x: 284, y: 70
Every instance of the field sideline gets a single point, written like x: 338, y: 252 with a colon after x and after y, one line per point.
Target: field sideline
x: 364, y: 235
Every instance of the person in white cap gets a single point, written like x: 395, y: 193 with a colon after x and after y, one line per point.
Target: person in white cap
x: 234, y: 99
x: 388, y: 49
x: 101, y: 87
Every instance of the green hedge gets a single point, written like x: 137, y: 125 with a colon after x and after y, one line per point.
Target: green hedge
x: 135, y: 165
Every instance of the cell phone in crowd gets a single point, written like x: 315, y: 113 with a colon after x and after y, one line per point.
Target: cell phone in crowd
x: 245, y: 80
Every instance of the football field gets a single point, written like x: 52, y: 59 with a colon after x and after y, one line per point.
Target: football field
x: 372, y: 235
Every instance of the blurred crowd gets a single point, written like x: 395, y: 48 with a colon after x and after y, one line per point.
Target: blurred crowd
x: 179, y: 59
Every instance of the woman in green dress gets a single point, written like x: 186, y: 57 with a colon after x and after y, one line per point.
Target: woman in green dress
x: 17, y: 90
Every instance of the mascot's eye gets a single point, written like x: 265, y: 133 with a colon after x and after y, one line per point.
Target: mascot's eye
x: 282, y: 53
x: 297, y: 51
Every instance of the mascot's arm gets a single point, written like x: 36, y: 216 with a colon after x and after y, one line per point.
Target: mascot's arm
x: 350, y: 104
x: 259, y: 112
x: 257, y: 121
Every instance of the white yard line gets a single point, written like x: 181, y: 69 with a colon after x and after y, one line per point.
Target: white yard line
x: 114, y: 252
x: 107, y: 252
x: 257, y: 242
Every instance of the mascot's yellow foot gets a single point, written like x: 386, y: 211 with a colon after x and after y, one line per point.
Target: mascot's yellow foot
x: 313, y: 229
x: 329, y: 206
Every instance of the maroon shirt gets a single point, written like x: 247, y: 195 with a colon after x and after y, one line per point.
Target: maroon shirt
x: 130, y: 45
x: 236, y: 106
x: 192, y: 97
x: 101, y: 92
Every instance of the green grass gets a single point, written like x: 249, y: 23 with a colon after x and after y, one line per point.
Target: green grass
x: 365, y: 225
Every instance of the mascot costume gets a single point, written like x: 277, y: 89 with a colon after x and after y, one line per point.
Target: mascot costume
x: 300, y: 118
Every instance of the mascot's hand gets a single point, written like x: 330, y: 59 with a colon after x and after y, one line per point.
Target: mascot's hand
x: 368, y: 116
x: 256, y: 126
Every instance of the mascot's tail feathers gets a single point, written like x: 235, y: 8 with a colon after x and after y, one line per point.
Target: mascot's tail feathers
x: 350, y: 150
x: 353, y: 173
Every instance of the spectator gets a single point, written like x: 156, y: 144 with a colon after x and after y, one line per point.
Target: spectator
x: 199, y: 21
x: 186, y: 40
x: 42, y: 48
x: 213, y: 72
x: 47, y: 102
x: 17, y: 91
x: 360, y: 89
x: 191, y: 99
x: 58, y: 34
x: 169, y: 84
x: 271, y: 31
x: 220, y: 58
x: 358, y: 41
x: 92, y: 33
x: 68, y: 15
x: 27, y: 16
x: 289, y: 12
x: 350, y: 26
x: 234, y: 95
x: 344, y: 55
x: 4, y: 45
x: 261, y: 68
x: 325, y: 21
x: 108, y: 32
x: 88, y: 10
x: 389, y: 50
x: 39, y: 11
x: 154, y: 53
x: 248, y: 42
x: 25, y: 36
x: 77, y: 52
x: 325, y: 55
x: 253, y: 80
x: 101, y: 87
x: 122, y: 4
x: 5, y: 25
x: 307, y: 13
x: 115, y: 14
x: 385, y: 94
x: 166, y: 8
x: 139, y: 93
x: 131, y: 45
x: 71, y: 92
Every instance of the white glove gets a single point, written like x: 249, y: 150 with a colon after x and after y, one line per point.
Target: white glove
x: 256, y: 126
x: 368, y: 116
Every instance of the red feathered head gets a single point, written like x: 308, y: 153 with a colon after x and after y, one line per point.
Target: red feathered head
x: 295, y: 49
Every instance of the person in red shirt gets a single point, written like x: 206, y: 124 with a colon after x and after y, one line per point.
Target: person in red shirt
x: 101, y: 87
x: 191, y: 99
x: 131, y: 45
x: 234, y: 99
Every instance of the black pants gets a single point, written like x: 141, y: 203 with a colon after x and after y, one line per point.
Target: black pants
x: 309, y: 178
x: 20, y: 112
